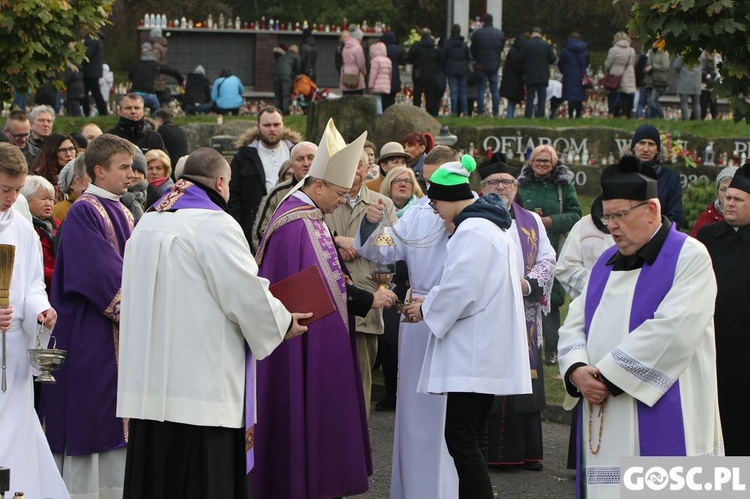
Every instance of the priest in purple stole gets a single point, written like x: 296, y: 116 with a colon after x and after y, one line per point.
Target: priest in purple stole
x: 637, y: 350
x: 515, y: 426
x: 311, y: 438
x: 78, y: 412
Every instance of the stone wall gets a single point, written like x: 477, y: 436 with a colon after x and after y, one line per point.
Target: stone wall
x: 356, y: 113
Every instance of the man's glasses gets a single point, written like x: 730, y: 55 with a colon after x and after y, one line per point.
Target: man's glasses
x: 17, y: 136
x: 543, y: 161
x: 432, y: 205
x: 619, y: 215
x: 506, y: 182
x: 65, y: 150
x: 341, y: 196
x: 402, y: 181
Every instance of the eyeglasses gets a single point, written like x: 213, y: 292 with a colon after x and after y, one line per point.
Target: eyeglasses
x: 619, y: 215
x: 432, y: 205
x: 402, y: 181
x: 341, y: 196
x: 17, y: 136
x: 65, y: 150
x: 543, y: 161
x: 507, y: 182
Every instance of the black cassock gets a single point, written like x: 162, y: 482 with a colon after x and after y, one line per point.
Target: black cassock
x: 730, y: 253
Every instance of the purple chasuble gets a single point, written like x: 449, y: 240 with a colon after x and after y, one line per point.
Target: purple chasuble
x: 78, y: 412
x: 661, y: 429
x: 529, y: 237
x: 311, y: 438
x: 184, y: 195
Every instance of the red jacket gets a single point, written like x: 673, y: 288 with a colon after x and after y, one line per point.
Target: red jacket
x: 708, y: 216
x: 48, y: 252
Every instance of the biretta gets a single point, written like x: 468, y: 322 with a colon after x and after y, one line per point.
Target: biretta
x: 628, y: 179
x: 741, y: 179
x: 496, y: 164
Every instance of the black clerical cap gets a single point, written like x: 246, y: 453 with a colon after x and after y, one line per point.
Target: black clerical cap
x: 496, y: 164
x: 628, y: 179
x: 741, y: 179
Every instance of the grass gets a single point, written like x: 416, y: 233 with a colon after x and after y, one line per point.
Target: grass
x: 708, y: 129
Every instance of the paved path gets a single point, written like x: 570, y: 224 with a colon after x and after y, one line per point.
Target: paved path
x: 554, y: 482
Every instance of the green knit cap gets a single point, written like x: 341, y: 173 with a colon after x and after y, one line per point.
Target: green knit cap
x: 450, y: 182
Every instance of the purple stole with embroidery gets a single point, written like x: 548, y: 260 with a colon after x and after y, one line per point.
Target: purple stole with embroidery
x: 529, y: 237
x: 661, y: 429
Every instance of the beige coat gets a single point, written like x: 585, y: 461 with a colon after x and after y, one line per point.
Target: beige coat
x: 621, y: 59
x: 345, y: 221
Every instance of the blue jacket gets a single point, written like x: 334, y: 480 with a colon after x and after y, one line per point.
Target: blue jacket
x: 487, y: 45
x: 669, y: 190
x: 227, y: 92
x: 574, y: 59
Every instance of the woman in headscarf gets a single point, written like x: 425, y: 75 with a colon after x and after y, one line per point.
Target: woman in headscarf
x: 72, y: 181
x: 715, y: 211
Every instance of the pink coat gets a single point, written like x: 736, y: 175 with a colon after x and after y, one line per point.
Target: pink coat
x: 353, y: 62
x: 380, y: 70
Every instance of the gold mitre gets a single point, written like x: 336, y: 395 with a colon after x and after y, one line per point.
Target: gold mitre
x: 336, y: 162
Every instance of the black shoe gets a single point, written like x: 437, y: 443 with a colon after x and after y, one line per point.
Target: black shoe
x: 533, y: 466
x: 385, y: 405
x: 551, y: 360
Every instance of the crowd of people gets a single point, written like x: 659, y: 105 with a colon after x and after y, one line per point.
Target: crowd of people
x: 176, y: 378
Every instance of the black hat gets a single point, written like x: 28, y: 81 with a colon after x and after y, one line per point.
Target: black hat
x: 646, y: 132
x: 741, y: 179
x: 628, y: 179
x: 496, y: 164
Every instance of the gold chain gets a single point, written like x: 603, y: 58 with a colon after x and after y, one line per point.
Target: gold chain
x: 601, y: 427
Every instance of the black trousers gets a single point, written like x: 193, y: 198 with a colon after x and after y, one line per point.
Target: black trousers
x: 92, y: 85
x: 388, y: 100
x: 466, y: 418
x: 388, y: 353
x: 550, y: 331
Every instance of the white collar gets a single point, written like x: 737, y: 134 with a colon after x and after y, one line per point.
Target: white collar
x: 102, y: 193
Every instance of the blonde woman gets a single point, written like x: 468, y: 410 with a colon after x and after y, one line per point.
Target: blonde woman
x: 158, y: 171
x: 400, y: 184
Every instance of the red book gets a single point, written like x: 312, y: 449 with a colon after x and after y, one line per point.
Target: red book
x: 304, y: 292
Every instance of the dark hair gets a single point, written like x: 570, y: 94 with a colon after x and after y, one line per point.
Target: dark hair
x: 46, y: 163
x: 455, y: 30
x: 79, y: 140
x: 225, y: 72
x: 487, y: 18
x: 164, y: 114
x: 16, y: 115
x: 575, y: 35
x: 205, y: 162
x: 421, y: 139
x: 269, y: 109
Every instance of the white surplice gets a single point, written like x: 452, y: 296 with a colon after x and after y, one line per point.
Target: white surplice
x: 23, y: 446
x: 422, y: 466
x: 677, y: 344
x: 583, y: 246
